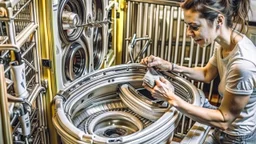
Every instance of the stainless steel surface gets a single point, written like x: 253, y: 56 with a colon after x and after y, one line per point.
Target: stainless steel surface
x: 76, y: 7
x: 86, y: 105
x: 100, y: 35
x: 114, y: 124
x: 76, y: 59
x: 5, y: 126
x: 140, y: 104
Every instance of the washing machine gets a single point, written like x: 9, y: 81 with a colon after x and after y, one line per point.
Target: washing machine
x: 72, y: 52
x: 80, y: 37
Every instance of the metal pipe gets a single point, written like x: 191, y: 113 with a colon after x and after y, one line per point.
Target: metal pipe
x: 5, y: 119
x: 41, y: 115
x: 202, y: 65
x: 128, y: 23
x: 177, y: 36
x: 156, y: 30
x: 145, y: 21
x: 150, y: 29
x: 163, y: 47
x: 183, y: 45
x: 139, y: 28
x: 191, y: 52
x: 23, y: 36
x: 39, y: 89
x: 11, y: 27
x: 197, y: 55
x: 170, y: 35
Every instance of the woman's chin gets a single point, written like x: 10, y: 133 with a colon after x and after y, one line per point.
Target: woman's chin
x: 202, y: 43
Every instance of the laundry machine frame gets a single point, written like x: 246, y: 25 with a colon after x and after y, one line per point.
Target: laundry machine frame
x: 61, y: 48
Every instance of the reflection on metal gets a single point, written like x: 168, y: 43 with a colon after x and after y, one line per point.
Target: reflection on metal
x: 91, y: 110
x: 98, y: 56
x: 98, y: 47
x: 114, y: 124
x: 142, y: 104
x: 5, y: 127
x: 71, y: 13
x: 76, y: 60
x: 70, y: 20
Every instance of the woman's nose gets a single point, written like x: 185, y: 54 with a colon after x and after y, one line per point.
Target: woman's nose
x: 190, y: 32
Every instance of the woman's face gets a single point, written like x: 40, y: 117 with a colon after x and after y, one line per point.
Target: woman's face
x: 199, y: 29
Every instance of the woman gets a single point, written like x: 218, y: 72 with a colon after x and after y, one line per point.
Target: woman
x: 233, y: 60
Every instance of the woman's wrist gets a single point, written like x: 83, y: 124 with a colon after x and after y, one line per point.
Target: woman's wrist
x: 175, y: 102
x: 172, y: 66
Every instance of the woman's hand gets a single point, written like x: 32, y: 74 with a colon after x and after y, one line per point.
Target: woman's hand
x: 157, y: 62
x: 163, y: 90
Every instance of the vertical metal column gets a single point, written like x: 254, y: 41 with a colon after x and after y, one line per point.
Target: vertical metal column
x: 5, y: 126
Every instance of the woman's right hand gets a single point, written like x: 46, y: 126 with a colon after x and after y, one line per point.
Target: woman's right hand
x: 157, y: 62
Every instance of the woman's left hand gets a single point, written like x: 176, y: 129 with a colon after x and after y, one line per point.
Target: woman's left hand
x: 163, y: 90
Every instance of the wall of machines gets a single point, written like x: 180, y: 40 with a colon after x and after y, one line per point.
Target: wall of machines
x: 81, y: 31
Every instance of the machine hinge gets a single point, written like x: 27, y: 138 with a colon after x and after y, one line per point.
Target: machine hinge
x: 47, y: 63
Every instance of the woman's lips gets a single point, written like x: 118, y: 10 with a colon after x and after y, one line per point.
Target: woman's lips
x: 198, y: 40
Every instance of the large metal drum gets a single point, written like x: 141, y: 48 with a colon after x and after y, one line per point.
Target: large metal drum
x: 111, y: 106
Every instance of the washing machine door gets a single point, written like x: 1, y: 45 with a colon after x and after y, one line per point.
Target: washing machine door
x: 71, y: 13
x: 76, y: 60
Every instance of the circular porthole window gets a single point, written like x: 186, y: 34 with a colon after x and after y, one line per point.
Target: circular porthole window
x: 75, y: 62
x: 71, y: 14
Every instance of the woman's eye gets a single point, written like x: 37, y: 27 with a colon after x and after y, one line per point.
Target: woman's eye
x: 195, y: 28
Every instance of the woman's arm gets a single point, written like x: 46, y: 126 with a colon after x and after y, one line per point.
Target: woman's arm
x: 204, y: 74
x: 228, y: 111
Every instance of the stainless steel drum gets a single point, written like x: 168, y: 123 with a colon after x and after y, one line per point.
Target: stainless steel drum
x: 111, y: 106
x: 76, y: 60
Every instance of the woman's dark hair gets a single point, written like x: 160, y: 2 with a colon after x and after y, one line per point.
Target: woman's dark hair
x: 235, y: 11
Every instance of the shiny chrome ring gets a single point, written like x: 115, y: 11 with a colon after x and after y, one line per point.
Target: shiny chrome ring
x: 75, y: 60
x: 97, y: 93
x: 114, y: 124
x: 78, y: 10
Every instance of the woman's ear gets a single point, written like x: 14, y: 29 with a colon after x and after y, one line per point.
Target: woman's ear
x: 220, y: 19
